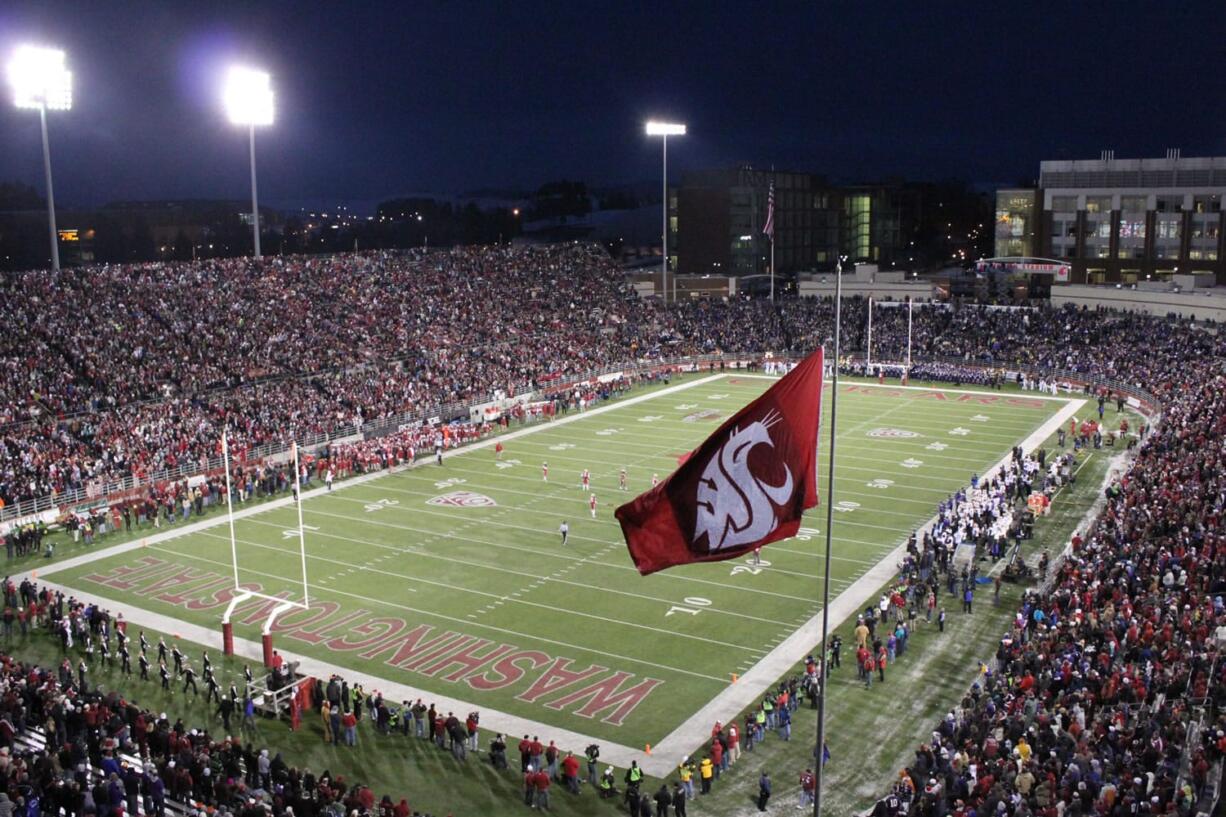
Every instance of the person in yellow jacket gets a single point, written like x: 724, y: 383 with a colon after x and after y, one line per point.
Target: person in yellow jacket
x: 686, y: 772
x: 706, y: 770
x: 325, y: 712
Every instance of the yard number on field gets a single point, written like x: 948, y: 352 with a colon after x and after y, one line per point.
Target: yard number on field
x: 879, y: 483
x: 607, y: 432
x: 749, y: 567
x: 293, y: 533
x: 805, y: 534
x: 447, y: 483
x: 695, y: 606
x: 380, y: 504
x: 508, y: 463
x: 846, y: 506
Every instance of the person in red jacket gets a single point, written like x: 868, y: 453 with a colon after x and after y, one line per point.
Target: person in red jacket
x: 541, y: 781
x: 570, y: 772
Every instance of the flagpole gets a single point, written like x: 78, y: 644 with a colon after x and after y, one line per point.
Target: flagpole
x: 772, y: 269
x: 910, y: 304
x: 868, y: 355
x: 820, y: 752
x: 772, y: 223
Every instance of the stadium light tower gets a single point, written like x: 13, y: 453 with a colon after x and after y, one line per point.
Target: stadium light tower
x: 40, y: 80
x: 665, y: 130
x: 249, y: 101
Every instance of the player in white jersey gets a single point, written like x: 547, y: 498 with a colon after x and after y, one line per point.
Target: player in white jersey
x: 621, y: 479
x: 655, y: 480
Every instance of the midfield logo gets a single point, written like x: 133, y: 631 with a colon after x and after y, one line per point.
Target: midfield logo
x: 463, y: 499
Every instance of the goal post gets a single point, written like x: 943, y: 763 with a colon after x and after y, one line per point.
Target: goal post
x: 241, y: 593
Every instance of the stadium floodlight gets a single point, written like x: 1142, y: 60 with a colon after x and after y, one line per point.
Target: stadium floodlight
x: 665, y: 130
x: 40, y: 80
x: 248, y: 99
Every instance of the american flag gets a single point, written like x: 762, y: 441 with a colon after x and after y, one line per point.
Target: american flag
x: 769, y: 227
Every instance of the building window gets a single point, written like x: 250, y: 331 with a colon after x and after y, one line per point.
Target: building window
x: 1132, y: 228
x: 1207, y: 204
x: 1168, y: 228
x: 1098, y: 204
x: 1134, y: 204
x: 1064, y: 204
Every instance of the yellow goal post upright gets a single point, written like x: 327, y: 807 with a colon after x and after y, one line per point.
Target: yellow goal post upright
x: 241, y: 593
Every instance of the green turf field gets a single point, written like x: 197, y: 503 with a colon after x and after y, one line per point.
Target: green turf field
x: 452, y: 579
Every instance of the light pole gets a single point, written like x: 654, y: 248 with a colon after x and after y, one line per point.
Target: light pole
x: 40, y: 80
x: 249, y: 101
x: 665, y: 130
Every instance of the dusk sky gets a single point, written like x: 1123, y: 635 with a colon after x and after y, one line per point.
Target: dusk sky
x: 376, y: 99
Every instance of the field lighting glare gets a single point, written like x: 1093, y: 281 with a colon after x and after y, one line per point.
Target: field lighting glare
x: 665, y: 129
x: 248, y: 97
x: 39, y: 79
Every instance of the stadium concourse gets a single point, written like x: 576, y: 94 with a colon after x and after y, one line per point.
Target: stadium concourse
x: 1105, y: 697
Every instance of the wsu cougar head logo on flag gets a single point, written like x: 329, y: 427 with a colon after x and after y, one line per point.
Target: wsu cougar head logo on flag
x: 735, y: 506
x: 746, y: 485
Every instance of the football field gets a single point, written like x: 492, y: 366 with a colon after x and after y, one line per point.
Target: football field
x: 451, y: 582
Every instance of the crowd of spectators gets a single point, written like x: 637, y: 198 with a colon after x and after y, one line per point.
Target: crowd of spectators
x: 68, y: 746
x: 120, y: 370
x: 1110, y: 669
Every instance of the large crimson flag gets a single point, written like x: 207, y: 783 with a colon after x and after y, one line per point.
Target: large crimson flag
x: 745, y: 486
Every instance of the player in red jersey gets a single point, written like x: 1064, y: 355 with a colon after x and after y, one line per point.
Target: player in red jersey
x: 545, y: 471
x: 498, y: 449
x: 585, y: 480
x: 591, y: 504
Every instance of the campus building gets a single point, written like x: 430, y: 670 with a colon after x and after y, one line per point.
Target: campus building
x: 1120, y: 220
x: 716, y: 219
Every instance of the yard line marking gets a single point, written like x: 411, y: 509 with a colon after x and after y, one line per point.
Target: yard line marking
x: 555, y: 555
x: 444, y: 617
x: 734, y: 698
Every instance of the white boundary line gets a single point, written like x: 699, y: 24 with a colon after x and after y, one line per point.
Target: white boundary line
x: 951, y: 389
x: 750, y: 686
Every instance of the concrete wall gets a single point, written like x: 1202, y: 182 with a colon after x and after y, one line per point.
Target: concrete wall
x: 878, y: 290
x: 1207, y: 304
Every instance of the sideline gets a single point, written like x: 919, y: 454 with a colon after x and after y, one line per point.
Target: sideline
x: 696, y: 729
x: 492, y: 720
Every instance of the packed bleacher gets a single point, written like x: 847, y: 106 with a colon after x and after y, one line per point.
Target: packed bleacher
x: 121, y: 370
x: 1109, y: 671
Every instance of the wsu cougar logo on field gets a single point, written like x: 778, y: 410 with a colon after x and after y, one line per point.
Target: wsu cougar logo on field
x: 734, y: 506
